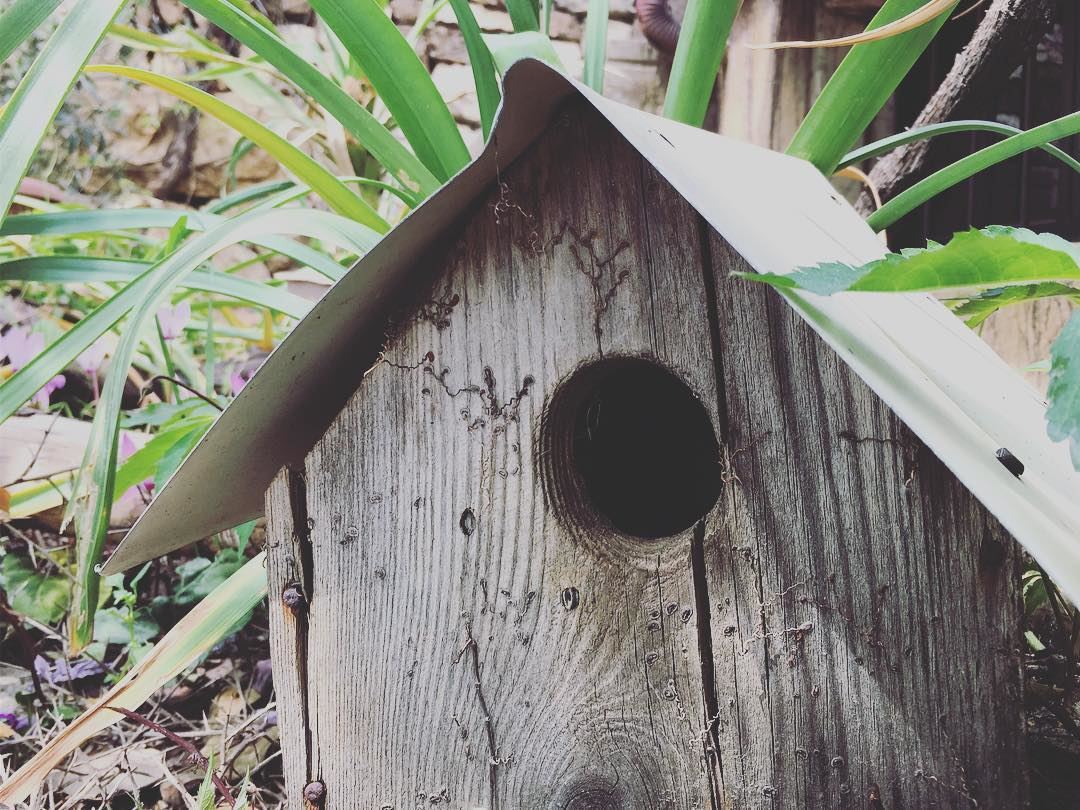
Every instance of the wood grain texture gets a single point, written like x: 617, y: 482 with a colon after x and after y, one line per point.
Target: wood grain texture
x: 865, y: 605
x: 288, y: 561
x: 477, y: 639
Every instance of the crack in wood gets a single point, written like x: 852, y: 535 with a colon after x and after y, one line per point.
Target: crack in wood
x: 494, y: 760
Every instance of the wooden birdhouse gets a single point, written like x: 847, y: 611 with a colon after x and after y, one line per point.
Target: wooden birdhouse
x: 562, y: 514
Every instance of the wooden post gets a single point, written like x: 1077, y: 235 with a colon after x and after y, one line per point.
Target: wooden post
x: 510, y: 604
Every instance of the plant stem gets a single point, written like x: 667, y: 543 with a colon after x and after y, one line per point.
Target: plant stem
x: 905, y: 202
x: 862, y: 84
x: 704, y: 36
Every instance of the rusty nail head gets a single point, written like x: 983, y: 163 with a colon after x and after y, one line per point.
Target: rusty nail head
x: 315, y: 793
x: 293, y: 597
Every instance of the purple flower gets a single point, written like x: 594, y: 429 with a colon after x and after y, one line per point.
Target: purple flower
x: 134, y: 498
x: 20, y: 346
x: 90, y: 360
x: 237, y: 381
x: 174, y: 319
x: 14, y: 721
x: 41, y: 398
x: 64, y: 672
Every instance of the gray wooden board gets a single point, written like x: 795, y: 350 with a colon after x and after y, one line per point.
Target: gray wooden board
x: 828, y: 627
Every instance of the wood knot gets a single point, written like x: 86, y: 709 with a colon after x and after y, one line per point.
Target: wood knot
x: 570, y: 598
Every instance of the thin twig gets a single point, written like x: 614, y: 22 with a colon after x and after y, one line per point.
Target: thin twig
x: 149, y: 384
x: 191, y: 750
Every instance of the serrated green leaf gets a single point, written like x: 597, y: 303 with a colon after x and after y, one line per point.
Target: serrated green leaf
x: 991, y: 257
x: 976, y: 309
x: 1063, y: 415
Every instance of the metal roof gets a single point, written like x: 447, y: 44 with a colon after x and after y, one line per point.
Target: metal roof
x: 780, y: 213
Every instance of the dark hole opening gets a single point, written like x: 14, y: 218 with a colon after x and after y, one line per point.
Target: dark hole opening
x: 642, y: 446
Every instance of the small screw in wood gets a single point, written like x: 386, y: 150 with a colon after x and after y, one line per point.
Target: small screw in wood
x: 293, y: 598
x: 315, y: 793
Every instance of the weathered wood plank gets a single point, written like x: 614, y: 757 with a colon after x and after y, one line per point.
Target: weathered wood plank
x: 474, y: 646
x: 289, y: 588
x: 865, y: 606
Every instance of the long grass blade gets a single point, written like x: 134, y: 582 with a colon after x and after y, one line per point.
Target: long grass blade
x: 931, y: 11
x: 702, y: 40
x: 29, y: 379
x: 929, y: 187
x: 85, y: 269
x: 524, y: 15
x: 483, y: 67
x: 37, y: 98
x: 596, y: 28
x: 860, y: 87
x: 94, y: 488
x: 886, y: 145
x: 336, y: 194
x: 193, y: 636
x: 401, y: 80
x: 401, y: 164
x: 20, y: 20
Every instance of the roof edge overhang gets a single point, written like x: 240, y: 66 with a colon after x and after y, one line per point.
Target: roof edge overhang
x: 778, y: 212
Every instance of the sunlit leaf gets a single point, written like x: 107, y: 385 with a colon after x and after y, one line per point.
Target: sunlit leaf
x: 916, y: 19
x: 1063, y: 416
x: 336, y: 194
x: 991, y: 257
x: 26, y: 116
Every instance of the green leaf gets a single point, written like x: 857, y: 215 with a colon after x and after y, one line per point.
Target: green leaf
x: 20, y: 20
x: 908, y: 200
x: 702, y: 40
x: 1063, y: 415
x: 483, y: 67
x: 94, y: 487
x: 400, y: 79
x: 373, y: 136
x: 35, y: 102
x: 991, y: 257
x: 336, y: 194
x: 860, y: 87
x: 509, y: 48
x: 254, y: 225
x: 524, y: 15
x: 75, y: 269
x: 194, y: 635
x: 596, y: 28
x: 886, y: 145
x: 37, y: 596
x: 112, y: 627
x: 976, y: 309
x: 146, y: 462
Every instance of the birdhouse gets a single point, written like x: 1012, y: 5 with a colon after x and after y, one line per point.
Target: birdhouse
x: 562, y: 513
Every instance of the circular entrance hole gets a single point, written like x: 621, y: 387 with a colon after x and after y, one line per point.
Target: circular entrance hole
x: 628, y: 445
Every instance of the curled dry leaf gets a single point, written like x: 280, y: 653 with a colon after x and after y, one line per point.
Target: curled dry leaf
x: 932, y: 10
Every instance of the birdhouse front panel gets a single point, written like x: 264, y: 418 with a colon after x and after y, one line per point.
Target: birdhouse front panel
x: 604, y: 528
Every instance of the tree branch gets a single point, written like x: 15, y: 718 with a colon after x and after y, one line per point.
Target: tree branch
x: 1001, y: 42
